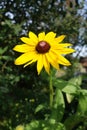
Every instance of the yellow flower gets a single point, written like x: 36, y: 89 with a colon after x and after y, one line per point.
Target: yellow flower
x: 45, y: 49
x: 20, y: 127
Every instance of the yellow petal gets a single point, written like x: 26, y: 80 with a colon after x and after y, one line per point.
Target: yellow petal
x: 63, y: 61
x: 41, y: 36
x: 57, y: 46
x: 27, y: 41
x: 34, y: 59
x: 23, y: 48
x: 24, y: 58
x: 60, y: 38
x: 65, y: 44
x: 40, y: 63
x: 33, y: 37
x: 66, y: 51
x: 51, y: 57
x: 50, y: 36
x: 46, y: 64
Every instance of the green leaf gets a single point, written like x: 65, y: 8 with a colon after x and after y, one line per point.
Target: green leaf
x: 71, y: 86
x: 58, y: 106
x: 3, y: 50
x: 69, y: 97
x: 59, y: 83
x: 70, y: 89
x: 39, y: 108
x: 6, y: 57
x: 82, y: 106
x: 66, y: 86
x: 76, y: 80
x: 83, y: 92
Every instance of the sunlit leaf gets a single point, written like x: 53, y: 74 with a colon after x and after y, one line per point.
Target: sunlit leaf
x: 58, y: 106
x: 71, y: 87
x: 69, y: 97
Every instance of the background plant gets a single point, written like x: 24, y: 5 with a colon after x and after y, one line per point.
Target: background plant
x: 18, y: 86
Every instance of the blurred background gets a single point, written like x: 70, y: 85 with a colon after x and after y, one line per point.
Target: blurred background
x: 19, y: 90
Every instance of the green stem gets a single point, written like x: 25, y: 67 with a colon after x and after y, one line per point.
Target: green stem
x: 51, y: 91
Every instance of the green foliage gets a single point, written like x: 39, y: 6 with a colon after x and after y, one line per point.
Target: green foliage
x: 59, y: 118
x: 44, y: 125
x: 24, y: 96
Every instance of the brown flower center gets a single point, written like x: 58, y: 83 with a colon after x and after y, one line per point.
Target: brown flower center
x: 42, y: 47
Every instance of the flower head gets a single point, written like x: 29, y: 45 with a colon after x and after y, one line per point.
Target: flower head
x: 45, y: 49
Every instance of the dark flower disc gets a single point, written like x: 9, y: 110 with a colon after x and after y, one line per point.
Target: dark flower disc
x: 42, y: 47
